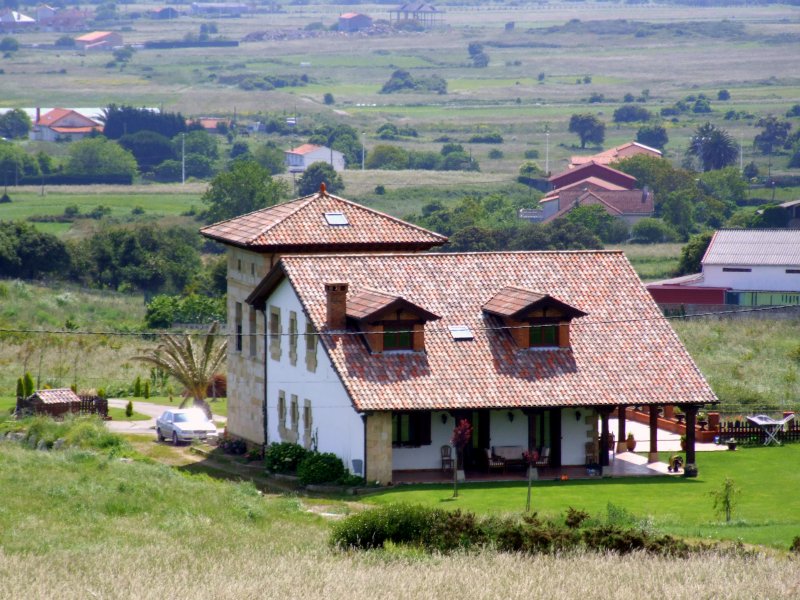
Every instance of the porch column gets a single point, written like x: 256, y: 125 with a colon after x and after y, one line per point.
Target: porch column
x: 621, y: 435
x: 690, y: 468
x: 378, y: 431
x: 653, y: 455
x: 604, y: 413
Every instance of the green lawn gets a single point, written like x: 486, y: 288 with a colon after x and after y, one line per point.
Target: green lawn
x: 118, y: 414
x: 767, y: 514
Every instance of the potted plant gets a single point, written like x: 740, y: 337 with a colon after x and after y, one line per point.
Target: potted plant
x: 680, y: 415
x: 702, y: 420
x: 731, y: 444
x: 683, y: 443
x: 630, y: 442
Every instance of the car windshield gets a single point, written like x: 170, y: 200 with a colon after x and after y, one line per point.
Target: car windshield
x: 192, y: 416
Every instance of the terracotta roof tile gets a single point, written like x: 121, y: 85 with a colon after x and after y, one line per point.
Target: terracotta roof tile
x: 369, y: 303
x: 304, y: 149
x: 616, y: 202
x: 300, y: 224
x: 57, y: 396
x: 620, y: 152
x: 623, y: 351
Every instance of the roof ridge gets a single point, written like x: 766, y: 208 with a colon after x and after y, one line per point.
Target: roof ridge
x: 253, y: 212
x: 611, y: 251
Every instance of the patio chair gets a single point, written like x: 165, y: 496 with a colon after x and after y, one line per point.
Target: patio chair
x: 544, y: 458
x: 448, y: 464
x: 591, y: 453
x: 494, y: 462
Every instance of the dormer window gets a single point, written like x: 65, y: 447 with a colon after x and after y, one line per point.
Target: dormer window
x: 534, y: 319
x: 543, y: 335
x: 389, y: 322
x: 397, y: 336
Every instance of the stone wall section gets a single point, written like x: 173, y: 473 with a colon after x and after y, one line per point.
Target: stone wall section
x: 379, y: 447
x: 245, y: 369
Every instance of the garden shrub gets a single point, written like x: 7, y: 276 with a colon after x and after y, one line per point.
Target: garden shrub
x: 795, y: 547
x: 435, y: 529
x: 321, y: 467
x: 284, y: 457
x: 231, y: 445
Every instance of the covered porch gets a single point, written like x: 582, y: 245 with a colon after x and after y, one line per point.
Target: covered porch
x: 579, y: 444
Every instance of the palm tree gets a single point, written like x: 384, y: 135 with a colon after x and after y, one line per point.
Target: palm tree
x: 193, y: 362
x: 714, y: 147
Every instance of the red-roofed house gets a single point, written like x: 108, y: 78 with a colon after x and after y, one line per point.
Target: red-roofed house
x: 300, y: 158
x: 349, y: 337
x: 628, y: 205
x: 614, y: 154
x: 595, y: 170
x: 319, y: 223
x: 352, y: 21
x: 62, y: 123
x: 533, y: 348
x: 99, y: 40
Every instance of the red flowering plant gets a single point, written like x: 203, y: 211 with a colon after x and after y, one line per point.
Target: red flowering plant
x: 462, y: 434
x: 530, y: 457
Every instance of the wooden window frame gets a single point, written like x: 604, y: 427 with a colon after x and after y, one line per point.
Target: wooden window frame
x: 398, y: 335
x: 540, y: 335
x: 417, y: 425
x: 253, y: 332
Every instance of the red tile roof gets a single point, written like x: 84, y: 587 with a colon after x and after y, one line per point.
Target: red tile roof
x: 304, y: 149
x: 52, y: 117
x: 515, y: 302
x: 616, y: 203
x: 592, y: 169
x: 614, y: 154
x: 372, y: 303
x: 300, y: 226
x: 59, y: 396
x: 623, y: 352
x: 94, y: 36
x: 590, y: 183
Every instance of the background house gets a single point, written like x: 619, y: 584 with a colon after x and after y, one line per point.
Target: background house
x: 99, y: 40
x: 11, y: 20
x: 352, y: 21
x: 614, y: 154
x: 744, y: 267
x: 628, y: 205
x: 300, y: 158
x: 164, y: 14
x: 62, y: 123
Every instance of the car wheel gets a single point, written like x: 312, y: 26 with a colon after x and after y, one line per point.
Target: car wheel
x: 175, y: 438
x: 159, y: 435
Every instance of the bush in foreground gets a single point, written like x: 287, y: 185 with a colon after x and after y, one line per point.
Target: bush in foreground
x: 322, y: 467
x: 435, y: 529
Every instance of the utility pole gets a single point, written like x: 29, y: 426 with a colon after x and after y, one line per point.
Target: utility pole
x: 183, y: 158
x: 547, y: 153
x: 363, y: 151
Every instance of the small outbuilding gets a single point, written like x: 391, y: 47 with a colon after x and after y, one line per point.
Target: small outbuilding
x: 54, y: 402
x: 351, y: 21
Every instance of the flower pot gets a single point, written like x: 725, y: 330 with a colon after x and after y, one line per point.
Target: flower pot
x: 731, y: 445
x: 630, y: 444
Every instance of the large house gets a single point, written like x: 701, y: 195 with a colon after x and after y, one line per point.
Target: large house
x: 614, y: 154
x: 11, y: 20
x: 300, y: 158
x: 62, y: 124
x: 744, y: 267
x: 255, y: 242
x: 599, y: 173
x: 349, y: 339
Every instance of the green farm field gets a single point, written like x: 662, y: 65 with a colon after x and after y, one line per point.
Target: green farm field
x: 620, y: 48
x: 222, y: 539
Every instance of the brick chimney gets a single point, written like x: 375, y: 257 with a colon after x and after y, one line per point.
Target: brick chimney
x: 336, y: 297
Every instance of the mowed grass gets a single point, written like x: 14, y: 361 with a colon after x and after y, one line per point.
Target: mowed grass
x: 218, y: 406
x: 653, y: 261
x: 88, y: 525
x: 765, y: 513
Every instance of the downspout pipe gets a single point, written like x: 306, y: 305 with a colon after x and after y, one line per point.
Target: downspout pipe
x: 265, y: 412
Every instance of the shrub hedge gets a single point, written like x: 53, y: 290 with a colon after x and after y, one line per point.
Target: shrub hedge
x: 284, y: 457
x: 436, y: 529
x: 320, y: 467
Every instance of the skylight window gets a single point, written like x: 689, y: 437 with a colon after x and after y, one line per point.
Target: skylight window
x: 336, y: 219
x: 460, y: 332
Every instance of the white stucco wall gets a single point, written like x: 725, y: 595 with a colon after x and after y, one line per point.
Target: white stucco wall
x: 765, y: 278
x: 339, y: 429
x: 575, y: 432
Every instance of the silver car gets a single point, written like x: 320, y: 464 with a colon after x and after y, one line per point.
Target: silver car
x: 185, y: 425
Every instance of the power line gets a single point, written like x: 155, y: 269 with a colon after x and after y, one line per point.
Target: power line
x: 431, y: 329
